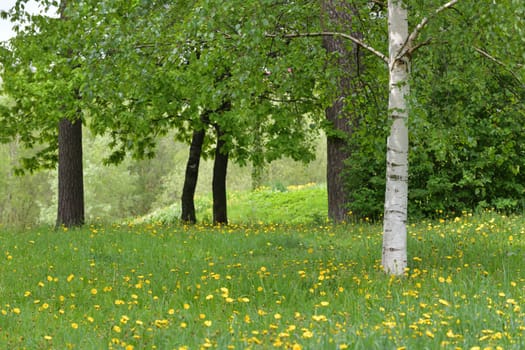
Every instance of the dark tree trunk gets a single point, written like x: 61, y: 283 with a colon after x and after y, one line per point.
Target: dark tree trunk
x: 70, y: 175
x: 337, y: 14
x: 220, y: 168
x: 190, y: 179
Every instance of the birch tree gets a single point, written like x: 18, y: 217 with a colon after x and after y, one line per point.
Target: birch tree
x: 401, y: 47
x: 396, y: 192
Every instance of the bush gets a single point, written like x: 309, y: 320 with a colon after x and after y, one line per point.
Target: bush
x: 466, y: 138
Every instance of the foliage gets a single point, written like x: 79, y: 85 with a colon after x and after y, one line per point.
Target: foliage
x: 263, y: 286
x: 41, y: 77
x: 20, y: 195
x: 157, y: 66
x: 465, y: 123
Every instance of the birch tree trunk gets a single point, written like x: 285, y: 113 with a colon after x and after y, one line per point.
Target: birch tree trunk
x: 394, y: 259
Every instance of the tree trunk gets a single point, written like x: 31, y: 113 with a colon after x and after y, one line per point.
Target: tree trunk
x: 220, y: 167
x: 337, y: 14
x: 190, y: 179
x: 396, y: 194
x: 70, y: 175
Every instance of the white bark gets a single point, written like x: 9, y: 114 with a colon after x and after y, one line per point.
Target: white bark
x: 396, y: 195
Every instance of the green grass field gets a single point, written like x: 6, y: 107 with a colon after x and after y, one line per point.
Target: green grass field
x: 264, y: 286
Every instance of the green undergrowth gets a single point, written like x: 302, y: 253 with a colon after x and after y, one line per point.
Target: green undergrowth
x: 271, y: 286
x: 301, y: 204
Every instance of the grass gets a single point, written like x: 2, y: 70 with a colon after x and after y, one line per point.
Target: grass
x: 271, y: 286
x: 295, y: 204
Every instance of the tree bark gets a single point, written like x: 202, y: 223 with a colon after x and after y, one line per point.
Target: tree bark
x: 70, y: 174
x: 191, y: 177
x: 338, y: 14
x: 394, y: 258
x: 220, y: 168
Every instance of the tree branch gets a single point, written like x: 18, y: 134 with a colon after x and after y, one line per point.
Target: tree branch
x: 383, y: 57
x: 494, y: 59
x: 407, y: 45
x: 424, y: 43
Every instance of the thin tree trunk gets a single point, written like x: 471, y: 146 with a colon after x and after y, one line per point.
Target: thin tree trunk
x: 337, y: 14
x: 220, y: 168
x: 396, y: 194
x: 191, y: 177
x: 70, y: 174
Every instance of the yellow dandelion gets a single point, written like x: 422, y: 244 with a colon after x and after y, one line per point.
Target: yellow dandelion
x: 74, y: 325
x: 207, y: 323
x: 307, y: 334
x: 70, y: 277
x: 161, y: 323
x: 94, y: 291
x: 186, y: 306
x: 319, y: 318
x: 117, y: 329
x: 444, y: 302
x: 16, y: 310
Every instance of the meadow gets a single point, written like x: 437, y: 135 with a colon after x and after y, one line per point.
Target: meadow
x: 257, y: 285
